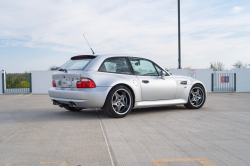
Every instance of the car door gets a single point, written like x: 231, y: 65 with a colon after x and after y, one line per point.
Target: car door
x: 153, y: 87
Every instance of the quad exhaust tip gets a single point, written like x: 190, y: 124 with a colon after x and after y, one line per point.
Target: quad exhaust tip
x: 55, y: 102
x: 71, y: 104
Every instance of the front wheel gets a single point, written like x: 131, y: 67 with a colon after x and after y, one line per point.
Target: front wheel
x: 119, y: 102
x: 196, y: 98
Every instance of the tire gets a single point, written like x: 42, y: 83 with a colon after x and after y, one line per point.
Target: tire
x: 119, y: 102
x: 196, y: 97
x: 73, y: 109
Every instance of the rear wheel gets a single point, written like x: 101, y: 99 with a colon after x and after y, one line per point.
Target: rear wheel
x: 196, y: 98
x: 119, y: 102
x: 73, y: 109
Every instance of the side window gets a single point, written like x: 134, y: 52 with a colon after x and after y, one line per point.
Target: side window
x: 143, y: 67
x: 116, y: 65
x: 159, y: 70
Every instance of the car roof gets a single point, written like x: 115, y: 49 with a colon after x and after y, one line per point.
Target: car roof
x: 104, y: 55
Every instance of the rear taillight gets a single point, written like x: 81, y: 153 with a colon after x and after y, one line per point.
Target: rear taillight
x: 54, y: 83
x: 85, y: 83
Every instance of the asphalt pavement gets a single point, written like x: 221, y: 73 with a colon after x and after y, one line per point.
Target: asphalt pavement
x: 33, y: 132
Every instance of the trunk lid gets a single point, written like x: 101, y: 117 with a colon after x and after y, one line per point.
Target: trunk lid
x: 68, y: 75
x: 67, y: 80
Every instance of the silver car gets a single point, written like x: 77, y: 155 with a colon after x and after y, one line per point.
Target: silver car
x: 119, y: 83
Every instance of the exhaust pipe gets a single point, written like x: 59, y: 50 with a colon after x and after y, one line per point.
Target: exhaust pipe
x: 72, y: 104
x: 57, y: 103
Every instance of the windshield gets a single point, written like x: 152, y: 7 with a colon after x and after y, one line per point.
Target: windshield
x: 76, y: 64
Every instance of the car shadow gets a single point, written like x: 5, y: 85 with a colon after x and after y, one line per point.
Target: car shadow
x: 158, y: 109
x: 85, y: 114
x: 92, y: 113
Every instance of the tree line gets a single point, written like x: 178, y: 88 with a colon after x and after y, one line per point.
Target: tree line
x: 219, y: 66
x: 17, y: 80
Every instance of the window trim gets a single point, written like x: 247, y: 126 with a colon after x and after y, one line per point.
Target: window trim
x: 129, y: 65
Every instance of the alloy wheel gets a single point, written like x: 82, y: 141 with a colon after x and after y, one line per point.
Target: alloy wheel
x: 121, y: 101
x: 196, y: 96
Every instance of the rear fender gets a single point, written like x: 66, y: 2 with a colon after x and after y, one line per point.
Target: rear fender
x: 103, y: 79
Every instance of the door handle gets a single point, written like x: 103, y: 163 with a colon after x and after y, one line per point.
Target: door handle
x: 145, y: 81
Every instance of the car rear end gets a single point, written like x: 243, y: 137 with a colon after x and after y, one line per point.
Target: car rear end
x: 71, y: 87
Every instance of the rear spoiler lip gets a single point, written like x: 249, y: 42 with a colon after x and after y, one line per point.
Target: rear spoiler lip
x: 83, y: 57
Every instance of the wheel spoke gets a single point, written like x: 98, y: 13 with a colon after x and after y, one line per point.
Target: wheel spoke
x: 114, y: 103
x: 198, y: 92
x: 119, y: 106
x: 117, y: 96
x: 196, y: 102
x: 122, y: 103
x: 193, y: 99
x: 122, y: 97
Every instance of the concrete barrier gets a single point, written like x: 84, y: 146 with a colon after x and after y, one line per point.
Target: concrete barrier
x: 41, y: 81
x: 242, y: 80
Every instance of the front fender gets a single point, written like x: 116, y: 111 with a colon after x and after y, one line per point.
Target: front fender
x: 182, y: 91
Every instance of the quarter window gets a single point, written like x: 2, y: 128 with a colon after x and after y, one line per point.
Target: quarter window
x: 116, y: 65
x: 143, y: 67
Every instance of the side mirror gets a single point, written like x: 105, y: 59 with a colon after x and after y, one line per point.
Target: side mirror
x: 163, y: 73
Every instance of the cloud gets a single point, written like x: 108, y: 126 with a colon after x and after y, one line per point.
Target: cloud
x: 144, y: 28
x: 237, y: 9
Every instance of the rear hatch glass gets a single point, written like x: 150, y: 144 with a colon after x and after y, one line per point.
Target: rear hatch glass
x: 69, y: 73
x: 76, y: 64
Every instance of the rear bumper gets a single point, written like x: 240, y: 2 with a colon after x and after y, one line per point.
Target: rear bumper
x: 84, y: 98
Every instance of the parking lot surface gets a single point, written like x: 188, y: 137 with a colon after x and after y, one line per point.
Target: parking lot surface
x: 34, y: 132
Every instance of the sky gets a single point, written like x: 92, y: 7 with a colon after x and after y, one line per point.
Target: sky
x: 35, y: 35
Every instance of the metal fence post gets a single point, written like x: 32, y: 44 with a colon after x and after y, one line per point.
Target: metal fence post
x: 30, y: 83
x: 3, y: 82
x: 235, y: 82
x: 212, y: 79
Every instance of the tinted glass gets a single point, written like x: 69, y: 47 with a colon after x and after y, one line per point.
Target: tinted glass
x: 116, y: 65
x: 143, y: 67
x: 76, y: 64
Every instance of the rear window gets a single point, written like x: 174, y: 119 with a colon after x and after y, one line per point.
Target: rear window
x: 76, y: 64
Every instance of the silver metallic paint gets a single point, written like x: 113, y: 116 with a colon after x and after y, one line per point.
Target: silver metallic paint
x: 157, y: 88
